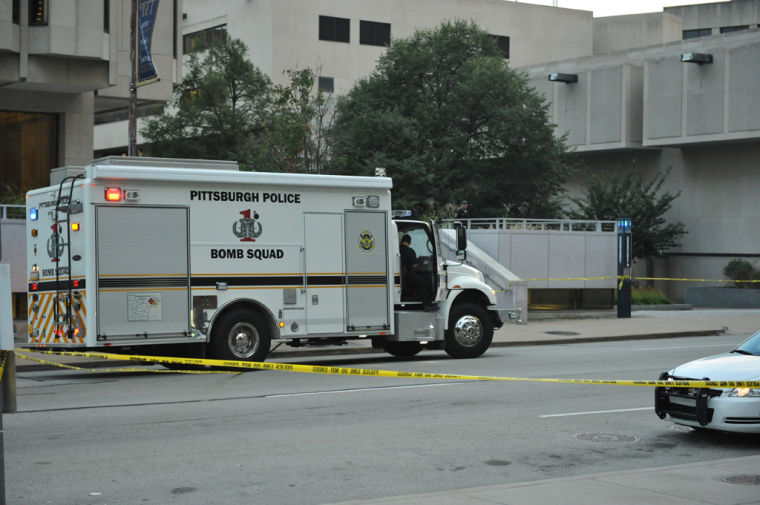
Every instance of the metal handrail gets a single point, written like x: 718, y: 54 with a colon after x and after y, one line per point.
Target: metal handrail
x: 562, y: 225
x: 4, y: 208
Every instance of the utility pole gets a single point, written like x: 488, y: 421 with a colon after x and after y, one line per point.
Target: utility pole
x: 132, y: 144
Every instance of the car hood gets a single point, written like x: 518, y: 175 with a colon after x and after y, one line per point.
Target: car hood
x: 721, y: 367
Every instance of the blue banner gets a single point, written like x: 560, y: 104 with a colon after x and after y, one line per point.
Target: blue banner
x: 146, y: 19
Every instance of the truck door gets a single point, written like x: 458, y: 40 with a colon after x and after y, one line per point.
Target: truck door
x: 325, y: 273
x: 142, y: 272
x: 441, y: 263
x: 367, y: 294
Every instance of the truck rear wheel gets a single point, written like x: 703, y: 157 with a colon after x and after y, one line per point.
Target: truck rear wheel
x: 470, y: 332
x: 241, y: 335
x: 403, y: 349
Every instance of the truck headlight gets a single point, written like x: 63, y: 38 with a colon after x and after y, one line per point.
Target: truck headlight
x: 745, y: 392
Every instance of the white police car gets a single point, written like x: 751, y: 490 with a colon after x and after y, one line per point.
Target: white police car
x: 736, y: 409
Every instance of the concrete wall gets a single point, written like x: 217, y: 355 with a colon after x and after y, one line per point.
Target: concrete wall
x: 14, y: 252
x: 618, y: 33
x: 603, y: 110
x: 718, y: 15
x: 553, y: 254
x: 75, y: 28
x: 691, y: 103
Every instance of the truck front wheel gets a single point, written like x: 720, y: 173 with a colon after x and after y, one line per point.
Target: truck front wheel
x: 470, y: 332
x: 241, y: 335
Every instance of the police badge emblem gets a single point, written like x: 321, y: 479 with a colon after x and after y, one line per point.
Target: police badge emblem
x: 366, y: 242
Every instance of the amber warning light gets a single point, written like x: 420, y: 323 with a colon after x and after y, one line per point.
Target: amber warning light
x: 113, y: 194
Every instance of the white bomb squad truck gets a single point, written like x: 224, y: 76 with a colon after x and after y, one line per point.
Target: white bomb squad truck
x: 196, y: 258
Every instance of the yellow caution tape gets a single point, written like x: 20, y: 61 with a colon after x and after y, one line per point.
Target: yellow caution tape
x: 334, y: 370
x: 152, y: 370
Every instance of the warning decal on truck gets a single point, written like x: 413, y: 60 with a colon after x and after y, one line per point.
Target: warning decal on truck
x: 144, y: 307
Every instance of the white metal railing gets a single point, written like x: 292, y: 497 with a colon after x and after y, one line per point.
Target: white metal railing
x: 543, y: 225
x: 12, y: 211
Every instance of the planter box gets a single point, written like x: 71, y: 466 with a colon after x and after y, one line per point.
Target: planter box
x: 723, y: 297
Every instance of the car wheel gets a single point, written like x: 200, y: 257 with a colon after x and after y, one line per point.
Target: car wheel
x: 470, y: 331
x: 241, y: 335
x: 403, y: 349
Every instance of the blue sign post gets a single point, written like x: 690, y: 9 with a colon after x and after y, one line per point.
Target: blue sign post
x: 624, y: 268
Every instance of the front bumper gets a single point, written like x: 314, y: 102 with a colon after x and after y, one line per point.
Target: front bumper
x: 707, y: 408
x: 508, y: 315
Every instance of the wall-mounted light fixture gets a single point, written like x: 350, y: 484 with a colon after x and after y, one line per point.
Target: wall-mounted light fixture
x: 698, y: 58
x: 566, y: 78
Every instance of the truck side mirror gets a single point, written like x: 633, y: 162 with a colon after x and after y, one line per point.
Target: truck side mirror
x: 461, y: 241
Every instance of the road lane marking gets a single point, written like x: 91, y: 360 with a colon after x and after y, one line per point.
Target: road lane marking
x: 589, y: 412
x: 724, y: 345
x: 356, y: 390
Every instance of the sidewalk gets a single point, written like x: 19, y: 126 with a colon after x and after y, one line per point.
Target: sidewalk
x: 563, y: 328
x: 719, y: 482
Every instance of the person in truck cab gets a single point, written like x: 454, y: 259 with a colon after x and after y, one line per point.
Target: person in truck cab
x: 414, y: 284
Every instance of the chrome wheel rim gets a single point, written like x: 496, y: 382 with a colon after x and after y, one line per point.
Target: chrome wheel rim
x: 468, y: 331
x: 243, y: 340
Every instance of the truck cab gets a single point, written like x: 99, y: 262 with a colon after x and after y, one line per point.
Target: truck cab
x: 446, y: 303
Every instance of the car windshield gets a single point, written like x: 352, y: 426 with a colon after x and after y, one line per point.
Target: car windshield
x: 751, y: 345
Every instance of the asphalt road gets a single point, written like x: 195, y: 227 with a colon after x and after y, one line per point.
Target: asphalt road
x: 287, y: 438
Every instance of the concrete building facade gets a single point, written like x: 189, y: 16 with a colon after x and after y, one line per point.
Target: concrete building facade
x: 61, y: 64
x: 651, y: 107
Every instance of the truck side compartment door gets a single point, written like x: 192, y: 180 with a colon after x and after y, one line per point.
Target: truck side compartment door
x: 142, y: 272
x: 367, y: 270
x: 325, y: 273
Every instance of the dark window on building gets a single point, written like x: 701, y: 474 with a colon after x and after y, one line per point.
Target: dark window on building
x: 334, y: 29
x: 729, y: 29
x: 326, y: 84
x: 16, y: 11
x: 202, y: 40
x: 503, y: 42
x: 106, y: 16
x: 38, y: 12
x: 374, y: 34
x: 28, y: 151
x: 699, y: 32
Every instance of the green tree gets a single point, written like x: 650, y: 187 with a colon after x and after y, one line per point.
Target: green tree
x: 218, y: 109
x: 449, y: 119
x: 297, y: 127
x: 226, y: 108
x: 628, y: 195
